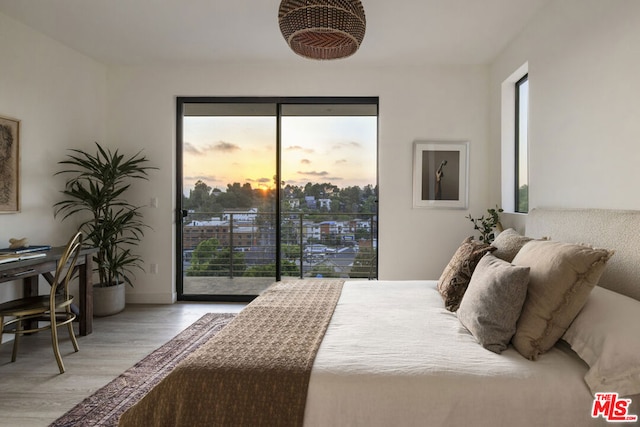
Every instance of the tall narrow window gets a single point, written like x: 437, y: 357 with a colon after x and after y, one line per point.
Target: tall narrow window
x: 521, y: 145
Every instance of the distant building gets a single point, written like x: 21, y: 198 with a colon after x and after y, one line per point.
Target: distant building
x: 240, y: 214
x: 310, y: 201
x: 325, y: 203
x: 220, y: 229
x: 293, y: 203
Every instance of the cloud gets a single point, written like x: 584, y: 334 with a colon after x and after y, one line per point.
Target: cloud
x: 341, y: 161
x: 305, y: 161
x: 223, y: 146
x: 302, y: 180
x: 299, y: 148
x: 202, y: 177
x: 313, y: 173
x: 350, y: 144
x: 226, y: 147
x: 259, y: 180
x: 189, y: 148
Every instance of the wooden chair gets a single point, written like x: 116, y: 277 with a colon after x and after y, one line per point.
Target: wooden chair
x: 54, y: 308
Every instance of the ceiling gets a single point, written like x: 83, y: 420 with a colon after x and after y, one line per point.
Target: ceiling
x: 188, y: 32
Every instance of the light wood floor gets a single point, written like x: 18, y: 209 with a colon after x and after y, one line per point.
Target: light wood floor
x: 33, y: 393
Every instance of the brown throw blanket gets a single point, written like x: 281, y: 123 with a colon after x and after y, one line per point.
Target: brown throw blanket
x: 255, y: 372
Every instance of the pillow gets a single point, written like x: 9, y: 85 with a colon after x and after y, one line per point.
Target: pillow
x: 455, y: 277
x: 560, y: 280
x: 493, y: 301
x: 605, y: 335
x: 508, y: 244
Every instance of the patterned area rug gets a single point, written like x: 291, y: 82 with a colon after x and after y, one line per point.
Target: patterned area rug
x: 104, y: 407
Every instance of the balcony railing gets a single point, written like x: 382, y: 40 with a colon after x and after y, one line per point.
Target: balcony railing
x: 243, y: 244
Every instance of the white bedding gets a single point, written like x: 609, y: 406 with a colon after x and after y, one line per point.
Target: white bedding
x: 393, y: 356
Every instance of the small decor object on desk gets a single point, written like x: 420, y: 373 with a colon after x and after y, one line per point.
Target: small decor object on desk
x: 96, y: 187
x: 20, y: 246
x: 20, y: 250
x: 489, y: 225
x: 18, y: 243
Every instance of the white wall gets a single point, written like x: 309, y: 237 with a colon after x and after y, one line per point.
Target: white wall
x: 583, y: 127
x: 415, y: 103
x: 60, y: 98
x: 584, y: 134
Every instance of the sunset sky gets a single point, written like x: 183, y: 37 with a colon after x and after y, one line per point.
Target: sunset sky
x: 222, y: 150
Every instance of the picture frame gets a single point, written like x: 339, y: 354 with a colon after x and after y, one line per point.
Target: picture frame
x: 440, y: 174
x: 9, y: 165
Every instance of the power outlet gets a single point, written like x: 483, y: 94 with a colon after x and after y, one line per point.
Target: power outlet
x: 153, y: 268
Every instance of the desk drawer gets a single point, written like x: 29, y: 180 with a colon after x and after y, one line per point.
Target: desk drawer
x: 24, y: 271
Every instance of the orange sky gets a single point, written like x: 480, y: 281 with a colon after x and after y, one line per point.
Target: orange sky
x: 222, y: 150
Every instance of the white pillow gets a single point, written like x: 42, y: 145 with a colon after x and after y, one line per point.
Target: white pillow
x: 605, y: 335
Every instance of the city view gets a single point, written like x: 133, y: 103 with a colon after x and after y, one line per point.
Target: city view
x: 327, y: 191
x: 325, y: 231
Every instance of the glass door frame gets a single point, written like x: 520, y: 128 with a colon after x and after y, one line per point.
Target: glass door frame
x: 180, y: 213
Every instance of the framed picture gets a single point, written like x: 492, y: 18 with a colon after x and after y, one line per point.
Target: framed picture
x: 440, y: 174
x: 9, y: 165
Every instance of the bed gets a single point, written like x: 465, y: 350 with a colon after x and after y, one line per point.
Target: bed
x: 380, y: 353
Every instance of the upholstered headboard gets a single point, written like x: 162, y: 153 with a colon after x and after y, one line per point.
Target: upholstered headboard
x: 611, y: 229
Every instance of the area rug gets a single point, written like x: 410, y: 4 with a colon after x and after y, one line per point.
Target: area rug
x: 104, y: 407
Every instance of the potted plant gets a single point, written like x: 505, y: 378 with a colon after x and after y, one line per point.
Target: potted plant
x: 489, y: 225
x: 95, y: 190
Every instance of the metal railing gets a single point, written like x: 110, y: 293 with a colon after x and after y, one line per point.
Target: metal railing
x: 243, y: 244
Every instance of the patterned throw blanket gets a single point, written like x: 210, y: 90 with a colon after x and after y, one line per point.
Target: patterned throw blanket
x: 255, y: 372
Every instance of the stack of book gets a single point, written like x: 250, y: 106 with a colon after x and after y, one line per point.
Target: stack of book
x: 19, y: 254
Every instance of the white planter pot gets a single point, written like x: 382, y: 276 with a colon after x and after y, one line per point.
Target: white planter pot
x: 108, y: 300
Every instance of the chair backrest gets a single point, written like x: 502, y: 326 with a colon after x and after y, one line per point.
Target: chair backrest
x: 66, y: 267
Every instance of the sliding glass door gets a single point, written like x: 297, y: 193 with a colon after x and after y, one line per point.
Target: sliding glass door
x: 274, y: 189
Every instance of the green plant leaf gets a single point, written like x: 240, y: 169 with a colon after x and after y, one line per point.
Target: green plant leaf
x: 95, y: 189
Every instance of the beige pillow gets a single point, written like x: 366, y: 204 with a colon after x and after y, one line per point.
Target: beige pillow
x: 455, y: 278
x: 508, y: 244
x: 560, y: 279
x: 605, y: 335
x: 493, y: 301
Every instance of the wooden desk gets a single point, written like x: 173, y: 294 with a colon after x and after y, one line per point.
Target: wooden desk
x: 29, y: 270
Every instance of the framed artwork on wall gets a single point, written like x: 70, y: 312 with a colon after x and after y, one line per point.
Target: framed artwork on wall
x: 440, y: 174
x: 9, y: 165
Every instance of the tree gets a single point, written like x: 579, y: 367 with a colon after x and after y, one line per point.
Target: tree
x: 323, y: 270
x: 364, y: 266
x: 202, y: 199
x: 288, y: 268
x: 363, y: 233
x: 351, y: 197
x: 202, y: 256
x: 291, y: 251
x: 209, y: 259
x: 523, y: 198
x: 199, y: 197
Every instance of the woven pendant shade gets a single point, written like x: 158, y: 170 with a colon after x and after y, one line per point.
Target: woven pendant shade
x: 322, y: 29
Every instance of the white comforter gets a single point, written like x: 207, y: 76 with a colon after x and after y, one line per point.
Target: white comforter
x: 393, y: 356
